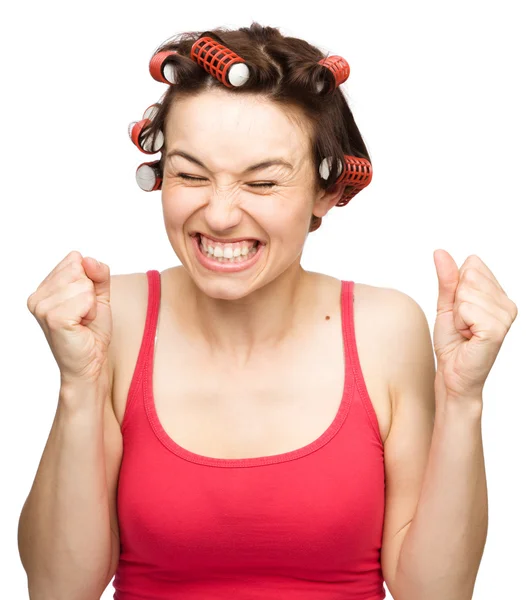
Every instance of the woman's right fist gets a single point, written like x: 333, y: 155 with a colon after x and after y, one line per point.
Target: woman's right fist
x: 72, y: 305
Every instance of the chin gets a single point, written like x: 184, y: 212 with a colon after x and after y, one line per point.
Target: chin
x: 222, y: 289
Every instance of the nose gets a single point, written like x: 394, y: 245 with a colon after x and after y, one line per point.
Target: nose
x: 222, y: 211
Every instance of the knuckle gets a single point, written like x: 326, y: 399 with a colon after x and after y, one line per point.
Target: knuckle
x: 71, y: 258
x: 463, y: 293
x: 71, y: 274
x: 86, y: 286
x: 76, y: 267
x: 462, y: 306
x: 501, y: 330
x: 30, y: 302
x: 470, y: 275
x: 90, y: 294
x: 514, y: 310
x: 40, y: 311
x: 53, y: 319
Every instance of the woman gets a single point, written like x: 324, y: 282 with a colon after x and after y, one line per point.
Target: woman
x: 279, y: 445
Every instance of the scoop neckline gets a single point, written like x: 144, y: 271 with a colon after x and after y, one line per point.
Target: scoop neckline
x: 321, y: 440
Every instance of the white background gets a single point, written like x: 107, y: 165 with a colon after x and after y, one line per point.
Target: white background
x: 437, y: 90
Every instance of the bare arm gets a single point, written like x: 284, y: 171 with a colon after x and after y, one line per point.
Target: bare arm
x: 64, y: 534
x: 68, y: 535
x: 442, y: 551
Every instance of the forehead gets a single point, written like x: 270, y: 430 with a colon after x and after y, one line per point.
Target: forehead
x: 228, y: 123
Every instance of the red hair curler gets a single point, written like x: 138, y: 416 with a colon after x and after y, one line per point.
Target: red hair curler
x: 151, y: 111
x: 150, y: 145
x: 162, y: 71
x: 220, y: 62
x: 339, y: 68
x: 149, y: 176
x: 357, y: 173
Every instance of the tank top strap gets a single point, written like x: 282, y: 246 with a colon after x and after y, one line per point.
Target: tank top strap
x: 152, y: 313
x: 149, y: 338
x: 349, y: 331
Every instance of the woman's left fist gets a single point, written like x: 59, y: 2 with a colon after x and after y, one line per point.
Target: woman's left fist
x: 474, y: 314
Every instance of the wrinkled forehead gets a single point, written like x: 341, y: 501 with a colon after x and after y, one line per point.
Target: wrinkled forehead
x: 222, y: 124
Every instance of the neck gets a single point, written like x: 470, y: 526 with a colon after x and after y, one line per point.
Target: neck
x: 238, y: 329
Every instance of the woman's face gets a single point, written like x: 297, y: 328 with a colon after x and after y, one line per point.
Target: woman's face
x: 228, y: 134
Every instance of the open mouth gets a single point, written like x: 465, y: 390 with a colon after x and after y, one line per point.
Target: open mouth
x: 236, y: 249
x: 239, y: 256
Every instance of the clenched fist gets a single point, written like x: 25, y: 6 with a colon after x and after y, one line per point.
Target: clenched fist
x: 72, y: 306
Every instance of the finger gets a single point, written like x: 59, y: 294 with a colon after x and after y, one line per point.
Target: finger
x: 52, y: 302
x: 476, y: 262
x: 65, y: 262
x: 473, y: 277
x: 448, y: 278
x: 485, y: 301
x: 69, y: 272
x: 481, y: 323
x: 72, y: 310
x: 99, y: 273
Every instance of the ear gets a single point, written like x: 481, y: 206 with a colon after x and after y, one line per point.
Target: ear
x: 326, y: 199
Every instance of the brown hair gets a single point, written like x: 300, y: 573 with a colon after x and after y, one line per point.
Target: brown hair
x: 282, y: 69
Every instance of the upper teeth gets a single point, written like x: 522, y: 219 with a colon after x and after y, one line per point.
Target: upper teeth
x: 229, y: 250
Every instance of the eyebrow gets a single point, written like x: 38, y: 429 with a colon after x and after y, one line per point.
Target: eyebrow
x: 260, y: 165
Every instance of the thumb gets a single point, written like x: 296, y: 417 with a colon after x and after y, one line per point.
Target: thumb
x: 448, y: 277
x: 99, y: 273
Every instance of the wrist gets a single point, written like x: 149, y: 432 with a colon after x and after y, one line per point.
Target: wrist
x: 81, y: 394
x: 100, y: 380
x: 460, y: 405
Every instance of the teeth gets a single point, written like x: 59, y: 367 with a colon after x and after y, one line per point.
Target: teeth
x: 228, y: 251
x: 229, y: 254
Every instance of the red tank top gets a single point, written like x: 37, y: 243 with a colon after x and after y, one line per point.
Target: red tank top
x: 303, y: 525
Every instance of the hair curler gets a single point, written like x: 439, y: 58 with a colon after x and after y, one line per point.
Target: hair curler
x: 339, y: 69
x: 220, y: 62
x: 151, y: 111
x: 162, y: 71
x: 149, y: 176
x: 148, y: 145
x: 356, y: 173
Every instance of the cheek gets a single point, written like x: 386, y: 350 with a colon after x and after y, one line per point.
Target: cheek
x: 288, y: 211
x: 177, y: 205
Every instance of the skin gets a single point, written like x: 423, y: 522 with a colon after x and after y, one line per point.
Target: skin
x: 237, y: 316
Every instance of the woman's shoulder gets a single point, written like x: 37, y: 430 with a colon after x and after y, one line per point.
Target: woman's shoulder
x: 370, y: 296
x: 128, y: 293
x: 381, y: 314
x: 390, y: 310
x: 129, y: 300
x: 130, y: 289
x: 385, y: 297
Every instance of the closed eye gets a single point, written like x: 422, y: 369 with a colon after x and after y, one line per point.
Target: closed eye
x: 257, y: 185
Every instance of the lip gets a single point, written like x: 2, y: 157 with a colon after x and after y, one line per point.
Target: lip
x: 233, y: 241
x: 224, y: 267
